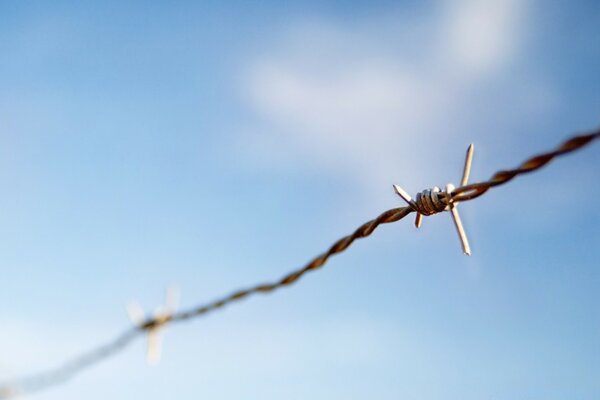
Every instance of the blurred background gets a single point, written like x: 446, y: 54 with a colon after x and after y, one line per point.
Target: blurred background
x: 215, y: 145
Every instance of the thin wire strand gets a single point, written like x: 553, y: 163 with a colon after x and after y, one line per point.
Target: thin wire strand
x: 66, y: 371
x: 469, y: 192
x: 63, y: 373
x: 474, y: 190
x: 363, y: 231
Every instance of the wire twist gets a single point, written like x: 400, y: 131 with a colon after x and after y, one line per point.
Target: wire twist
x: 472, y: 191
x: 363, y: 231
x: 431, y: 201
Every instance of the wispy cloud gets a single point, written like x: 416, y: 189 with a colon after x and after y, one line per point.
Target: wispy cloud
x: 483, y: 36
x: 368, y: 100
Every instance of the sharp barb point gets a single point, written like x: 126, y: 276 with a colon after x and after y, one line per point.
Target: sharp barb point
x: 418, y: 220
x: 460, y: 230
x: 405, y: 196
x: 467, y: 168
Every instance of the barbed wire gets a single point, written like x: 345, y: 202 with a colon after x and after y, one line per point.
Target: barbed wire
x: 428, y: 202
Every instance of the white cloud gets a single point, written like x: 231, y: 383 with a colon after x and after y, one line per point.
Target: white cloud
x: 368, y: 101
x: 483, y: 35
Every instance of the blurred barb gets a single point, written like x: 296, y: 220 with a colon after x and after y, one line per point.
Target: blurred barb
x: 165, y: 316
x: 155, y: 324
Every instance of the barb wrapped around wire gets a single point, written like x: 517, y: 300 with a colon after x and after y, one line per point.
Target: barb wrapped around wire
x: 154, y: 325
x: 426, y: 203
x: 433, y: 201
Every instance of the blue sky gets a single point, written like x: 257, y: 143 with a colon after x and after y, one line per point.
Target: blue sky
x: 216, y: 145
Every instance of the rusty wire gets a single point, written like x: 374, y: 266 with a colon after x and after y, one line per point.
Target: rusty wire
x: 463, y: 193
x: 470, y: 192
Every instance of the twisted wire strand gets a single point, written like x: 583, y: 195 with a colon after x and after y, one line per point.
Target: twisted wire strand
x: 463, y: 193
x: 71, y: 368
x: 363, y: 231
x: 474, y: 190
x: 66, y: 371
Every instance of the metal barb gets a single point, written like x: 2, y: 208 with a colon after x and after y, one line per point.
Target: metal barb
x: 411, y: 203
x: 433, y: 201
x: 467, y: 168
x: 458, y: 223
x: 154, y: 325
x: 405, y: 196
